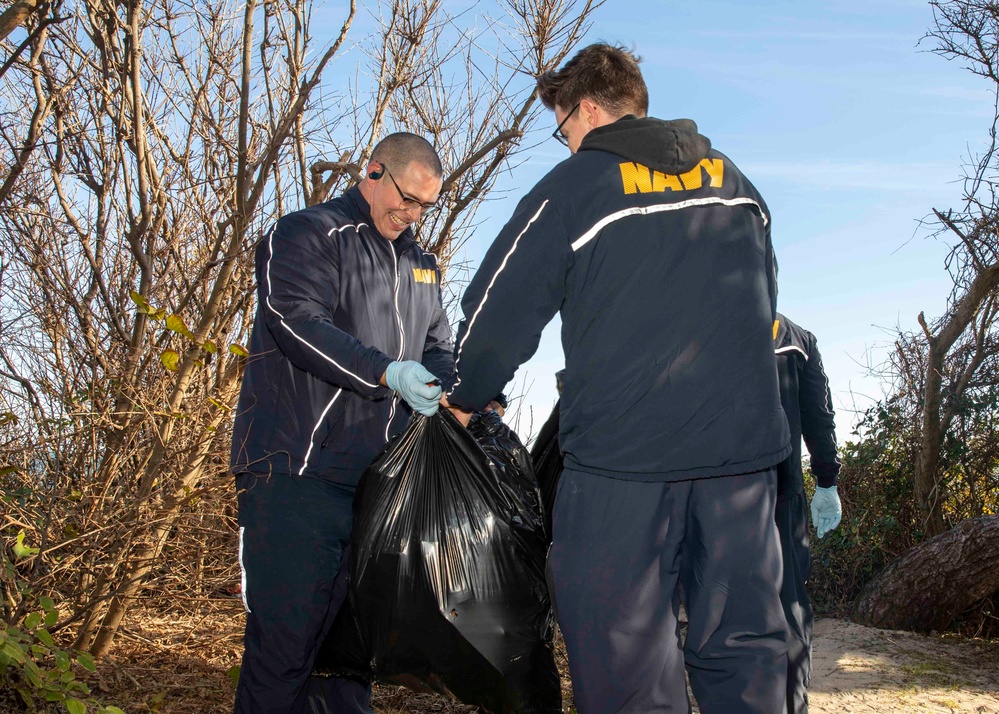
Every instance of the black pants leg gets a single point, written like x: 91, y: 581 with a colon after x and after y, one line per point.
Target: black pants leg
x: 792, y: 524
x: 736, y: 646
x: 293, y: 541
x: 619, y: 550
x: 614, y: 565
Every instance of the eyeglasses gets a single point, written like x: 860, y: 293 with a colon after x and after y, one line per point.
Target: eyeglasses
x: 408, y: 202
x: 562, y: 138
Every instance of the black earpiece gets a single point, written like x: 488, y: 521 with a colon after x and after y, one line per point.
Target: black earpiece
x: 375, y: 175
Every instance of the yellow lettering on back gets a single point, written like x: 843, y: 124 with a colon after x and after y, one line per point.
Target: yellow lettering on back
x: 635, y: 178
x: 692, y: 179
x: 715, y: 169
x: 661, y: 182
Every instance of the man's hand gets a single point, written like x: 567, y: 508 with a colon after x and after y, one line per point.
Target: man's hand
x: 415, y: 384
x: 826, y: 510
x: 459, y: 414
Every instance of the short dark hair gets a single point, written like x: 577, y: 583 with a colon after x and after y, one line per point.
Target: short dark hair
x: 401, y: 149
x: 603, y: 73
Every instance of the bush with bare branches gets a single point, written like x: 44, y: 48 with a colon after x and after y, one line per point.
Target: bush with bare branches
x: 148, y: 144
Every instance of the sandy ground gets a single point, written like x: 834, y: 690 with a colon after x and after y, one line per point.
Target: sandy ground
x: 860, y: 669
x: 176, y: 662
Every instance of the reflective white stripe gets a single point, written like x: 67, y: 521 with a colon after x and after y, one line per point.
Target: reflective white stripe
x: 485, y: 295
x: 391, y: 417
x: 398, y: 315
x: 402, y: 338
x: 242, y: 571
x: 267, y: 301
x: 355, y: 227
x: 312, y: 437
x: 659, y: 208
x: 792, y: 348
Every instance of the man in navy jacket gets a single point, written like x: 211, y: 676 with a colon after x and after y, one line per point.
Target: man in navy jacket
x: 655, y: 250
x: 350, y: 335
x: 805, y: 396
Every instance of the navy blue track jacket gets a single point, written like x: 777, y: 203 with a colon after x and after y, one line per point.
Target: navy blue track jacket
x: 337, y: 302
x: 804, y: 393
x: 656, y: 252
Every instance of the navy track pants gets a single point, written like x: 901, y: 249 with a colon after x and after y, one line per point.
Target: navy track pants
x: 293, y: 553
x: 619, y: 551
x: 792, y: 524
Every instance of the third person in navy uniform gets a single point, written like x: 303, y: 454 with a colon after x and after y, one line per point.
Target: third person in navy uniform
x: 804, y: 394
x: 655, y: 250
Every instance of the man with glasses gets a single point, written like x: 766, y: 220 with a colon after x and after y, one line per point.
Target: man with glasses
x: 350, y: 336
x: 655, y: 250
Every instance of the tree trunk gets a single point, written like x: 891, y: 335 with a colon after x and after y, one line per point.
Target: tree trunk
x: 927, y: 587
x: 15, y: 15
x: 928, y: 456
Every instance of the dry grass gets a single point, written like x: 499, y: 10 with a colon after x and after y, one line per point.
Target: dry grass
x: 177, y: 657
x: 174, y: 656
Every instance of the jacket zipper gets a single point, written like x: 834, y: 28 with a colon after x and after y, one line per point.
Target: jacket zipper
x: 312, y: 438
x: 402, y: 334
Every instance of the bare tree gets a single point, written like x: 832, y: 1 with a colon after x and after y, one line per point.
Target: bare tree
x: 957, y: 353
x: 164, y: 137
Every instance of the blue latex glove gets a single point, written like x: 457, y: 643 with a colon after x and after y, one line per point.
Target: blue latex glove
x: 826, y: 510
x: 416, y: 385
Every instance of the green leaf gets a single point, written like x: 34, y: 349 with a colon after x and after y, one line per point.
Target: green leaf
x: 158, y: 314
x: 54, y: 696
x: 45, y: 637
x: 13, y: 651
x: 175, y: 323
x: 139, y: 300
x: 219, y: 405
x: 51, y: 618
x: 233, y: 674
x: 33, y: 674
x: 4, y: 470
x: 75, y: 706
x: 86, y: 660
x: 209, y: 347
x: 33, y: 620
x: 111, y: 710
x: 21, y: 550
x: 47, y: 603
x: 26, y: 697
x: 8, y: 418
x: 170, y: 359
x: 62, y: 660
x: 238, y: 350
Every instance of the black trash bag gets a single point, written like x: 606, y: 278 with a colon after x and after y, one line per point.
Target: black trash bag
x: 447, y: 590
x: 547, y: 460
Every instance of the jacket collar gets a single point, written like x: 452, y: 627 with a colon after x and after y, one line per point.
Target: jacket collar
x: 361, y: 206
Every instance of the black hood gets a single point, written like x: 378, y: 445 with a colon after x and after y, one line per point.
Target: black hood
x: 673, y: 147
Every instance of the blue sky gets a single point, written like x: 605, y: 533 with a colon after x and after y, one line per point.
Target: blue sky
x: 850, y: 128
